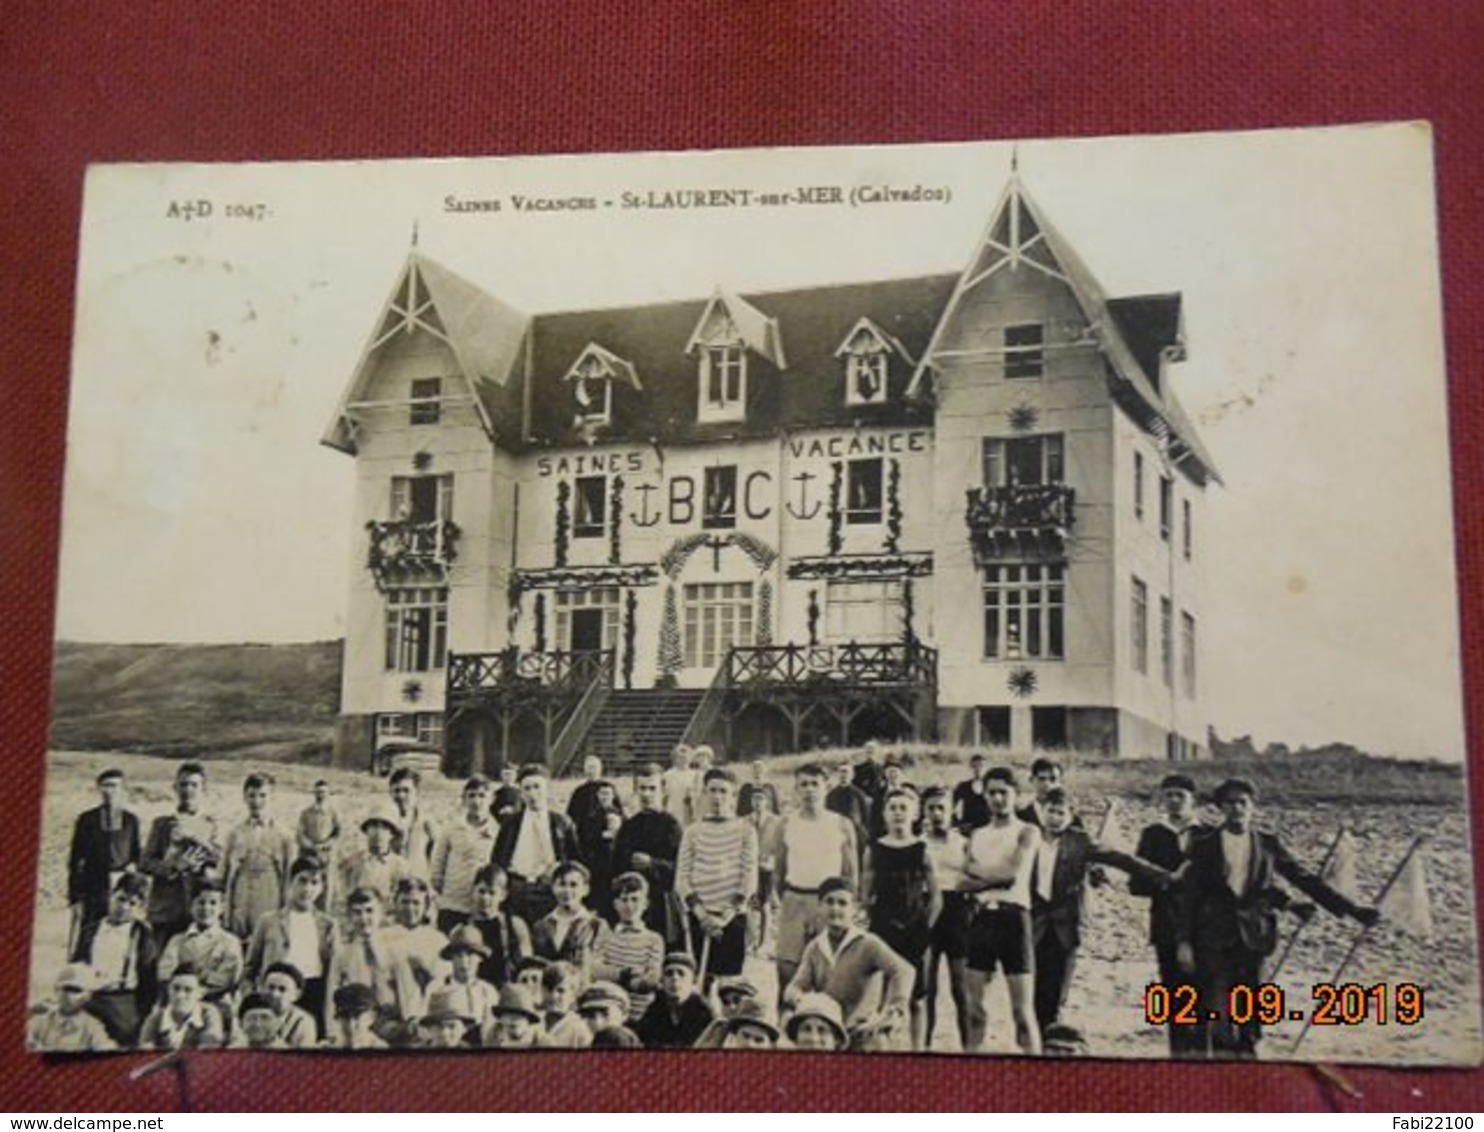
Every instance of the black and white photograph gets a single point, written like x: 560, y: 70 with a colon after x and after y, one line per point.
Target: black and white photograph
x: 982, y: 598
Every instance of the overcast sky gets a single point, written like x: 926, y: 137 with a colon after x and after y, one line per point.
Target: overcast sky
x: 199, y: 505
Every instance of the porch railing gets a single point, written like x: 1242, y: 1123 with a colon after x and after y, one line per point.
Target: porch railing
x: 473, y: 673
x: 896, y: 663
x: 588, y: 708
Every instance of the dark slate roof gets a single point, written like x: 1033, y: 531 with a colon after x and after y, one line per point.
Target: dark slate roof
x: 808, y: 393
x: 1148, y: 323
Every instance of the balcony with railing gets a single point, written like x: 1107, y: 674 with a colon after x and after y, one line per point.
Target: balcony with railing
x: 401, y: 550
x: 514, y: 673
x: 899, y: 664
x: 1020, y: 519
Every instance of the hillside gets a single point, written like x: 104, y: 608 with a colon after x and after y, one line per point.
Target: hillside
x: 267, y: 701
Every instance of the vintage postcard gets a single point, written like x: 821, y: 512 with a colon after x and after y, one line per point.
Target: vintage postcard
x: 975, y: 598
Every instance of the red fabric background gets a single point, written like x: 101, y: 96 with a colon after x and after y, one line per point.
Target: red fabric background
x: 152, y: 80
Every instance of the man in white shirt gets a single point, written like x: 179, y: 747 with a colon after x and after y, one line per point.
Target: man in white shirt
x: 531, y: 844
x: 813, y: 844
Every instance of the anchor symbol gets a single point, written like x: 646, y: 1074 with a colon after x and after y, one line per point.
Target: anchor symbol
x: 644, y: 518
x: 804, y: 512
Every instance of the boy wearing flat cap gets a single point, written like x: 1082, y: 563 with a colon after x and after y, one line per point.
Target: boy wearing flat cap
x: 1229, y: 906
x: 65, y: 1026
x: 603, y: 1008
x: 355, y: 1014
x: 1166, y: 844
x: 678, y: 1016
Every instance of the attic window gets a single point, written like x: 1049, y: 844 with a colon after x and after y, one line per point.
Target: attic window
x: 723, y: 383
x: 867, y: 352
x: 427, y: 405
x: 1024, y: 353
x: 593, y: 392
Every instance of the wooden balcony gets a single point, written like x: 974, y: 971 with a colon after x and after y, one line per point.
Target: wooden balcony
x: 833, y: 667
x: 401, y: 550
x: 1020, y: 520
x: 496, y: 675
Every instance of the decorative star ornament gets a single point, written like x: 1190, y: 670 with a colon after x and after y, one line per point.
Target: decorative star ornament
x: 1022, y: 682
x: 1023, y: 418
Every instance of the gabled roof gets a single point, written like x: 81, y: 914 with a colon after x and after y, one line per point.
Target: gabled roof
x: 608, y: 364
x: 1134, y: 333
x: 754, y: 329
x: 653, y: 338
x: 886, y: 342
x: 484, y: 334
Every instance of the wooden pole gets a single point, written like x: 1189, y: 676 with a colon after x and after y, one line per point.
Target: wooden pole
x: 1365, y: 931
x: 1302, y: 924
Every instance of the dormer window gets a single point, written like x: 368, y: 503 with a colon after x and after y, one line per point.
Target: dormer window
x: 426, y: 400
x: 730, y: 328
x: 723, y: 383
x: 593, y: 376
x: 867, y: 352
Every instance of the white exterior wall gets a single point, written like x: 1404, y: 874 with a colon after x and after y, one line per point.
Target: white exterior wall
x: 457, y: 445
x: 1071, y: 399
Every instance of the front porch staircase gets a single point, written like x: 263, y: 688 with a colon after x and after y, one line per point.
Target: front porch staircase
x: 640, y: 726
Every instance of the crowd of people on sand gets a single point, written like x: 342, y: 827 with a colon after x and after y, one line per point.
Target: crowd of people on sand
x: 518, y: 924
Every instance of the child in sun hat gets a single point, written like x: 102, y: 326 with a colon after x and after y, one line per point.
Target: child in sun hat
x: 65, y: 1026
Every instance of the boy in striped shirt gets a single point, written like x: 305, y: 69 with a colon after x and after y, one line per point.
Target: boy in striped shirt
x: 716, y: 876
x: 631, y: 954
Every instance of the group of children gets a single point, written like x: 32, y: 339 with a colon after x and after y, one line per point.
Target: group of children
x: 515, y: 925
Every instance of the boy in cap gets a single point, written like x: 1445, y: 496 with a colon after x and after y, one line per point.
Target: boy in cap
x: 463, y: 988
x: 996, y: 876
x: 870, y: 981
x: 517, y: 1023
x: 678, y: 1016
x: 181, y: 850
x: 209, y: 949
x: 282, y: 987
x: 716, y: 876
x: 731, y: 993
x: 648, y: 843
x: 105, y: 844
x: 604, y: 1007
x: 462, y: 851
x: 749, y: 1028
x: 121, y: 952
x: 355, y: 1010
x: 630, y: 954
x: 376, y: 866
x: 445, y: 1024
x: 66, y: 1026
x: 1229, y: 921
x: 299, y: 934
x: 817, y: 1024
x: 255, y: 861
x: 257, y: 1024
x: 1165, y: 844
x: 185, y: 1021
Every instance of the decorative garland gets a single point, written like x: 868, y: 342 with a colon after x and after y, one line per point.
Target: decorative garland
x: 540, y: 615
x: 813, y: 618
x: 836, y: 538
x: 671, y: 658
x: 894, y: 507
x: 641, y: 574
x: 864, y: 566
x: 563, y: 519
x: 909, y: 609
x: 674, y: 559
x: 615, y: 506
x: 631, y: 614
x: 765, y: 613
x: 392, y: 549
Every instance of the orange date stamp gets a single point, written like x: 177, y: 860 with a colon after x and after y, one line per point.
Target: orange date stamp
x: 1330, y: 1004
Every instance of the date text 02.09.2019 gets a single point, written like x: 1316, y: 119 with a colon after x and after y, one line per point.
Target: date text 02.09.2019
x: 1343, y: 1004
